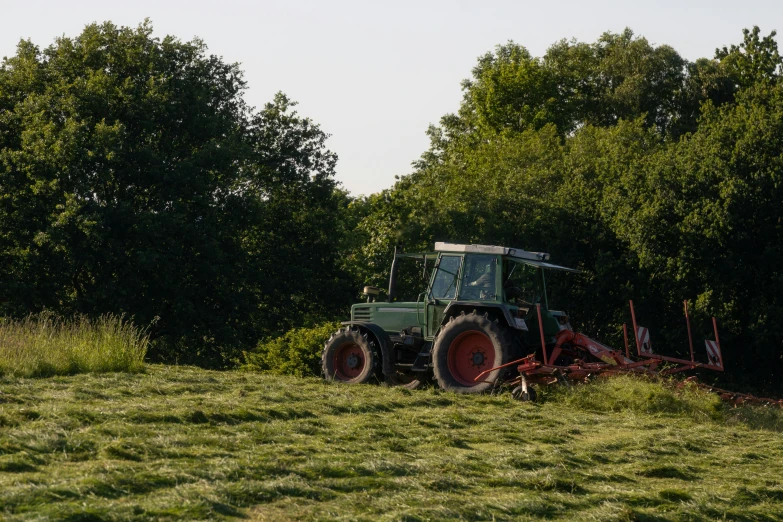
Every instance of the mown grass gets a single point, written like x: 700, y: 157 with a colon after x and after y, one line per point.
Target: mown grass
x: 44, y: 345
x: 182, y: 443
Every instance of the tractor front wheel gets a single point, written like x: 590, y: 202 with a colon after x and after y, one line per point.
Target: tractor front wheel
x: 349, y: 356
x: 467, y: 346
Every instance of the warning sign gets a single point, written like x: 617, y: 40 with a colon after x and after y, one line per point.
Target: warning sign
x: 713, y: 353
x: 643, y: 336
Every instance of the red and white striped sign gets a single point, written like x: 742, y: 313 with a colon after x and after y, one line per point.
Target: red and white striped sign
x: 713, y: 353
x: 643, y: 336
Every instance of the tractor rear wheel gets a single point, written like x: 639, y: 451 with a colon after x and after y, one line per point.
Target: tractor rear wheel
x: 349, y: 356
x: 468, y: 345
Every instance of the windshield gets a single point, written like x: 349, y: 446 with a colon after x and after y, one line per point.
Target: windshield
x: 444, y: 286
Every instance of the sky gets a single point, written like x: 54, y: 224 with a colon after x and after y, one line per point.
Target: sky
x: 375, y: 75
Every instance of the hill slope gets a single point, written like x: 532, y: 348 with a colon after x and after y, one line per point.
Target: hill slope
x: 194, y: 444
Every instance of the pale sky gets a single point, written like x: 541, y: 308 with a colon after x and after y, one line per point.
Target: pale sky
x: 375, y: 75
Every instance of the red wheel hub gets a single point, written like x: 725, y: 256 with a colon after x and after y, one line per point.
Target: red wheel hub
x: 470, y: 354
x: 348, y: 361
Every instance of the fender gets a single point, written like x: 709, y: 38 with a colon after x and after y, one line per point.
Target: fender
x: 384, y: 342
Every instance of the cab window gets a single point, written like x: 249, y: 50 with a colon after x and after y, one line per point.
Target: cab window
x: 521, y: 283
x: 478, y: 281
x: 444, y: 286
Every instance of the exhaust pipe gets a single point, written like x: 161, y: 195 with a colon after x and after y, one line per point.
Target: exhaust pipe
x: 393, y: 278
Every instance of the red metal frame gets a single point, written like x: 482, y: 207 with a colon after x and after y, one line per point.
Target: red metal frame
x: 541, y: 330
x: 574, y: 350
x: 625, y: 338
x: 685, y: 364
x: 635, y: 331
x: 688, y: 322
x: 717, y: 341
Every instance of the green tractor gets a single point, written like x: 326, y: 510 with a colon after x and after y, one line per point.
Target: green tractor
x: 477, y: 313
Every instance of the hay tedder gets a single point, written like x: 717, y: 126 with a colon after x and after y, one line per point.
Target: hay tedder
x: 484, y: 319
x: 575, y: 357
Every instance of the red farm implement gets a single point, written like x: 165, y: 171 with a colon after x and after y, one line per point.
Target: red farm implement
x: 574, y: 357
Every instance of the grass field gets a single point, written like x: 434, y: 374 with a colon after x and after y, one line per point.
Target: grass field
x: 184, y: 443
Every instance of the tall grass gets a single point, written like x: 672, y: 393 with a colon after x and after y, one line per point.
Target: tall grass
x: 44, y: 345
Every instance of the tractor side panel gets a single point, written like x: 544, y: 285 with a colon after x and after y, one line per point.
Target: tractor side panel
x: 391, y: 317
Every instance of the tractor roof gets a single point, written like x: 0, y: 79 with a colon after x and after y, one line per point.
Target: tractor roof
x: 491, y: 249
x: 515, y: 254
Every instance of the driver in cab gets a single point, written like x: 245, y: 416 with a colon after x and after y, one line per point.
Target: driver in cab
x: 485, y: 281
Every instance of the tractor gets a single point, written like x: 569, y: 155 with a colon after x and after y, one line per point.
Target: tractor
x: 484, y: 307
x: 484, y: 319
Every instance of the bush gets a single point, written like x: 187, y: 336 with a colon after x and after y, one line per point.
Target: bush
x: 298, y: 352
x: 44, y: 345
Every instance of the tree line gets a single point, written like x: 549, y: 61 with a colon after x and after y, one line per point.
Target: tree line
x: 134, y: 179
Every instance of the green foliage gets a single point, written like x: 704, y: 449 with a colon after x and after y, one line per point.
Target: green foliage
x: 297, y: 352
x: 511, y: 89
x: 44, y: 345
x: 619, y: 77
x: 753, y: 61
x: 135, y: 180
x: 660, y: 179
x: 181, y: 443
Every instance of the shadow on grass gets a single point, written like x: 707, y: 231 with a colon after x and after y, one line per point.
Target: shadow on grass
x: 668, y: 472
x: 250, y: 494
x: 85, y: 516
x: 632, y: 515
x: 116, y: 451
x: 674, y: 495
x: 132, y: 483
x: 227, y: 510
x: 745, y: 496
x: 17, y: 466
x: 549, y: 483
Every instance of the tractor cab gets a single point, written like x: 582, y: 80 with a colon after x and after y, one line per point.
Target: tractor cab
x: 479, y: 310
x: 508, y: 282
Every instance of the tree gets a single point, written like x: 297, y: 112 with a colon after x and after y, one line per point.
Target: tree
x: 135, y: 180
x: 619, y: 77
x: 295, y: 236
x: 511, y: 90
x: 659, y: 178
x: 633, y: 79
x: 755, y: 60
